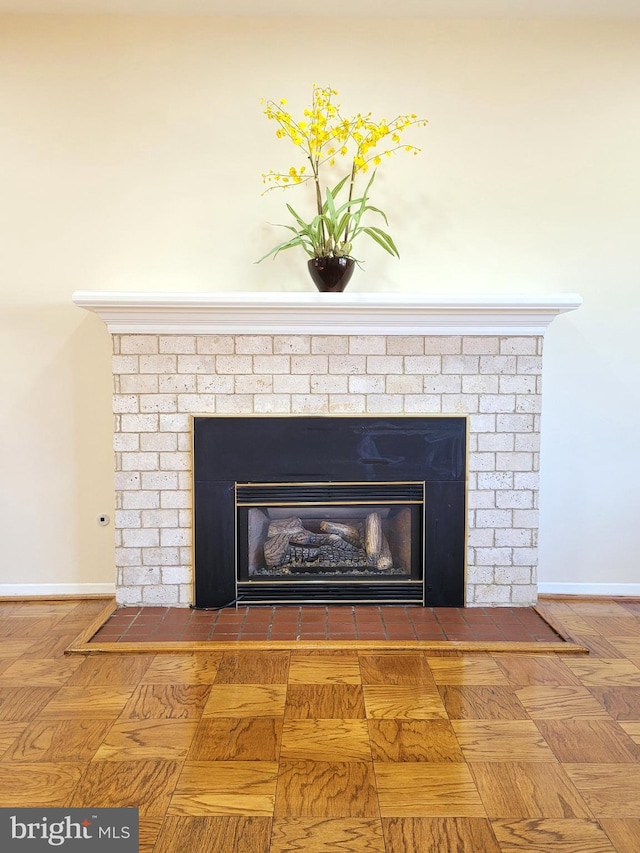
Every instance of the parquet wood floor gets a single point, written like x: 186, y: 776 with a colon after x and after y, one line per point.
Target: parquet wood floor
x: 321, y: 751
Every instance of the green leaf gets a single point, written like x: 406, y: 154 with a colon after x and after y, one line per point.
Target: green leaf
x: 382, y: 239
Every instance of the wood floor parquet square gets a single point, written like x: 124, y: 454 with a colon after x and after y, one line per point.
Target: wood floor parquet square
x: 542, y: 835
x: 405, y: 700
x: 42, y: 783
x: 246, y: 700
x: 606, y: 672
x: 476, y: 702
x: 362, y: 751
x: 318, y: 668
x: 224, y: 834
x: 327, y: 835
x: 521, y: 789
x: 237, y: 739
x: 253, y: 667
x: 472, y: 669
x: 146, y: 785
x: 501, y: 740
x: 427, y: 790
x: 325, y: 701
x: 159, y: 739
x: 325, y: 740
x: 326, y: 789
x: 59, y: 740
x: 413, y: 740
x: 195, y: 668
x: 610, y: 790
x: 560, y: 703
x: 439, y: 834
x: 534, y: 670
x: 590, y: 741
x: 389, y: 669
x: 225, y: 788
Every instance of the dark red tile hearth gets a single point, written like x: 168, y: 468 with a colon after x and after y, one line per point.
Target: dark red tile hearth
x: 289, y: 623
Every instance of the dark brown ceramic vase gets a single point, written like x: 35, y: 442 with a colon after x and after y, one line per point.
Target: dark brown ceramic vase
x: 331, y: 275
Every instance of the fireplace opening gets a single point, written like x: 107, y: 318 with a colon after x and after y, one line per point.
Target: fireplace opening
x: 322, y: 509
x: 339, y: 531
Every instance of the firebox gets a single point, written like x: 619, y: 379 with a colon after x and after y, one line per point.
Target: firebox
x: 324, y: 509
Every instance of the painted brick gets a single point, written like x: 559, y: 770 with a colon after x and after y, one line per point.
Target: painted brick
x: 403, y: 384
x: 481, y: 538
x: 150, y: 441
x: 311, y: 364
x: 525, y: 556
x: 428, y: 404
x: 130, y: 344
x: 405, y: 345
x: 482, y: 345
x: 145, y: 538
x: 272, y: 403
x: 160, y: 480
x: 271, y: 364
x: 495, y: 480
x: 460, y: 404
x: 329, y: 384
x: 384, y: 403
x: 237, y: 404
x: 531, y: 404
x: 367, y: 384
x: 140, y: 500
x: 127, y: 480
x: 139, y: 461
x: 127, y: 518
x: 146, y: 383
x: 125, y: 364
x: 347, y: 364
x: 510, y: 574
x: 491, y: 441
x: 385, y: 364
x: 215, y: 344
x: 529, y: 442
x: 160, y: 518
x: 329, y: 344
x: 530, y: 364
x: 176, y: 536
x: 234, y: 364
x: 141, y: 575
x: 253, y: 384
x: 519, y: 346
x: 200, y: 404
x: 514, y: 461
x: 460, y: 364
x: 254, y: 344
x: 479, y: 384
x: 445, y: 345
x: 493, y: 518
x: 159, y: 363
x: 367, y: 345
x: 290, y: 384
x: 215, y: 384
x: 497, y: 364
x: 166, y: 594
x: 176, y: 575
x: 161, y: 556
x: 128, y: 403
x: 178, y: 344
x: 300, y: 344
x: 175, y: 423
x: 423, y: 364
x: 175, y: 500
x: 310, y: 404
x: 514, y: 538
x: 347, y: 403
x: 482, y: 500
x: 514, y: 423
x: 158, y: 402
x: 514, y: 499
x: 482, y: 423
x: 517, y: 384
x: 498, y: 403
x: 128, y: 557
x: 482, y: 461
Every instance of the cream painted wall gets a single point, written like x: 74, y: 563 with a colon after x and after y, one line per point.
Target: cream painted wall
x: 131, y: 151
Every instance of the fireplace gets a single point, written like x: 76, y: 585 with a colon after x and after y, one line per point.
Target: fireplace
x: 249, y: 355
x: 329, y: 509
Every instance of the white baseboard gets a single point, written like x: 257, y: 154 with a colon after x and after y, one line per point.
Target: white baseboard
x: 55, y: 590
x: 589, y: 589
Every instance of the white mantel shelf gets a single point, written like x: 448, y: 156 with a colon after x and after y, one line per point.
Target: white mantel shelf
x: 325, y: 313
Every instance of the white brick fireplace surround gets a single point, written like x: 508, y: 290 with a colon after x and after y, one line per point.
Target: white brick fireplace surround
x: 180, y: 354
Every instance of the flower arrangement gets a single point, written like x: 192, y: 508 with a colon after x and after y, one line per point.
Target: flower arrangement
x: 326, y: 138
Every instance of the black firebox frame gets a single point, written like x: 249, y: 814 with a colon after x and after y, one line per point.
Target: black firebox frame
x: 301, y: 449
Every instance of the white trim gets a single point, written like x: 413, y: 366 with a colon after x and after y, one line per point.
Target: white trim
x: 589, y: 589
x: 55, y: 590
x: 326, y: 313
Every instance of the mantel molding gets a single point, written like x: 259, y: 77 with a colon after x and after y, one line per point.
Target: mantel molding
x: 325, y: 313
